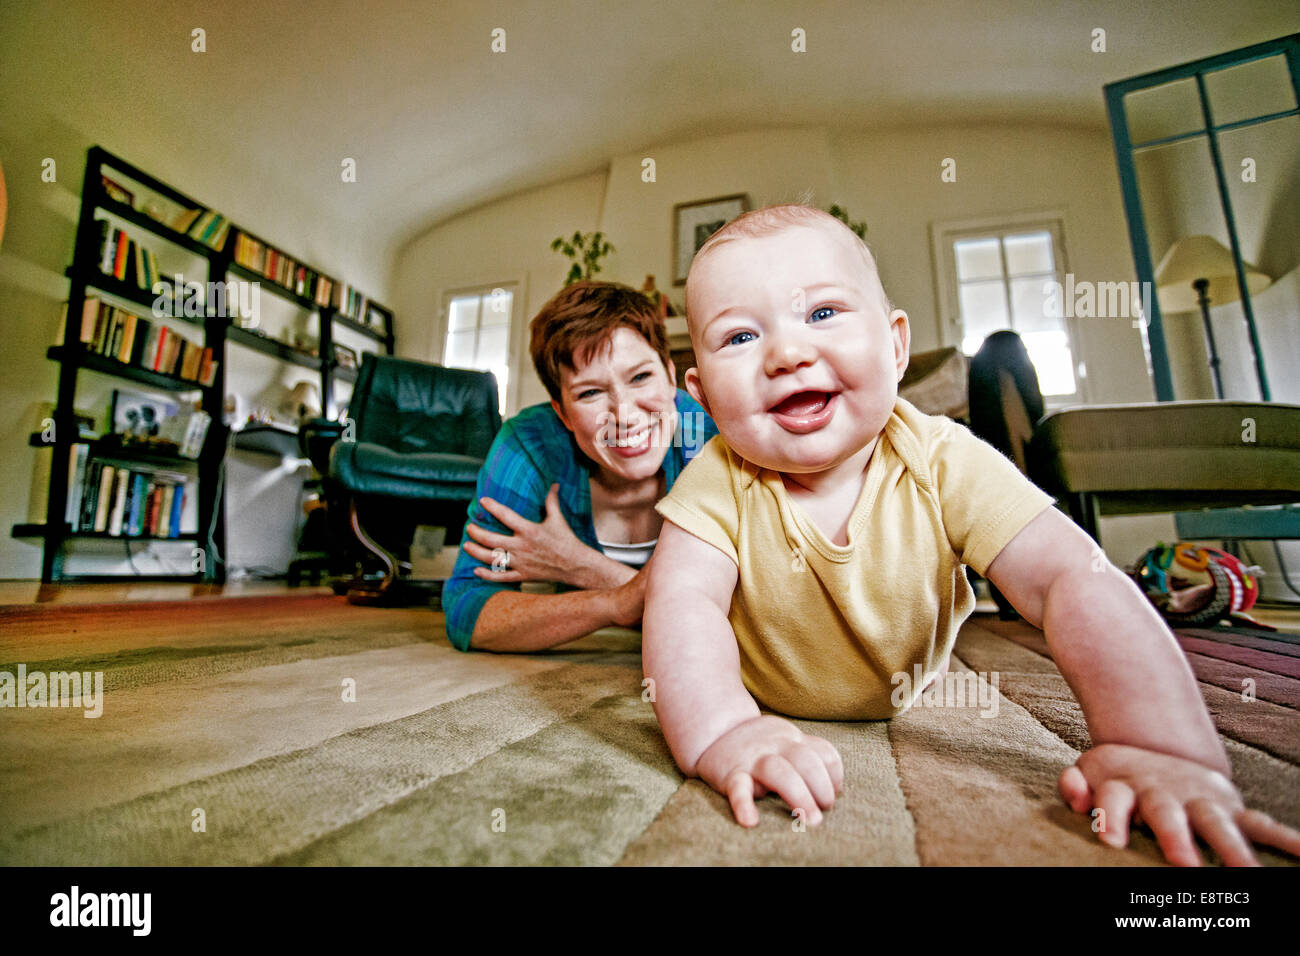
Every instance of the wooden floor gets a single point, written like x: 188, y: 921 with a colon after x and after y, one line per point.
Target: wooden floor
x: 113, y: 592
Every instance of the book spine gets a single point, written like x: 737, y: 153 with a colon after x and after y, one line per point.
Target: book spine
x: 139, y: 488
x: 86, y: 517
x: 128, y: 338
x: 143, y: 334
x: 165, y: 510
x: 150, y: 510
x: 105, y: 498
x: 120, y: 482
x: 89, y: 313
x: 76, y: 483
x: 178, y: 501
x: 123, y: 251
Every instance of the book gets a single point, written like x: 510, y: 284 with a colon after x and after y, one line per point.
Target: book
x: 178, y: 502
x: 118, y: 509
x: 104, y: 498
x: 139, y: 491
x: 76, y: 483
x: 90, y: 489
x: 121, y: 254
x: 143, y: 331
x: 185, y: 219
x: 165, y: 510
x: 149, y: 521
x: 123, y: 353
x: 208, y: 373
x: 89, y: 314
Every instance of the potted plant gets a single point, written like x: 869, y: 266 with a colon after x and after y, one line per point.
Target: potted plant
x: 586, y: 249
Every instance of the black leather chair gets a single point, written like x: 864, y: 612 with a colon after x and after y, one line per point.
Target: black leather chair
x: 1005, y: 405
x: 419, y: 435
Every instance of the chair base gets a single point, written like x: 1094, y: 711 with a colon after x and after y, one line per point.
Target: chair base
x: 395, y: 592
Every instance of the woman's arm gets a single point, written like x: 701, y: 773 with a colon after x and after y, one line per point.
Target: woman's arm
x: 514, y: 621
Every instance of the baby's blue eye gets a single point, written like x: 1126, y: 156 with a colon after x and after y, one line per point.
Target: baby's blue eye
x: 740, y: 338
x: 641, y: 376
x: 818, y: 312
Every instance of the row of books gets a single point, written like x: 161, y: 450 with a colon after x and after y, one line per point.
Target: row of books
x: 122, y: 501
x: 123, y: 258
x: 210, y: 228
x: 273, y: 264
x: 206, y: 225
x: 116, y: 333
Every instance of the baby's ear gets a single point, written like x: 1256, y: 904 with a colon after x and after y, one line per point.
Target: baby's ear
x: 696, y: 388
x: 901, y: 332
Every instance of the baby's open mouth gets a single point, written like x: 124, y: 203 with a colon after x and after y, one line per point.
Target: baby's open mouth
x: 802, y: 404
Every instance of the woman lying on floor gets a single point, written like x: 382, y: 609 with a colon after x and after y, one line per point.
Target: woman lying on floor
x: 567, y: 493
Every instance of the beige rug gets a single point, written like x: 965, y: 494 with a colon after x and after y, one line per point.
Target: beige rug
x: 304, y: 731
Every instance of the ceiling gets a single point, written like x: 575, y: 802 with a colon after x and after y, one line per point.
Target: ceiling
x: 438, y: 123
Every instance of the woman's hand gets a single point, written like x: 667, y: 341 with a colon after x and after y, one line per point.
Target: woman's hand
x: 545, y: 550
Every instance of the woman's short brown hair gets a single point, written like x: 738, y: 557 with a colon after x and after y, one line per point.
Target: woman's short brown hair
x: 579, y: 320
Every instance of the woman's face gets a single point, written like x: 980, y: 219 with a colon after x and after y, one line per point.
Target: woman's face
x: 619, y: 402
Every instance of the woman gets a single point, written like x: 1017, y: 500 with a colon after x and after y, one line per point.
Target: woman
x: 567, y: 493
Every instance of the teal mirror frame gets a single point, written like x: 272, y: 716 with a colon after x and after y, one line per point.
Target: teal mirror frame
x: 1125, y: 149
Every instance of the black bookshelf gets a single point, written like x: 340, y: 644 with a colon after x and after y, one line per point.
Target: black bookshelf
x: 73, y: 357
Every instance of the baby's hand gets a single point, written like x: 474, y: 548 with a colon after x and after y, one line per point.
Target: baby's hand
x: 1177, y: 798
x: 769, y: 754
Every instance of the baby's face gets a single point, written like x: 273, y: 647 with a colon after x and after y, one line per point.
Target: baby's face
x: 798, y: 360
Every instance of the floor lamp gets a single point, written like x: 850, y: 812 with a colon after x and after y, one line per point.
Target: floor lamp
x: 1196, y: 271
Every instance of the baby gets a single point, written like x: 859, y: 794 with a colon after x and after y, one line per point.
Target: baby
x: 814, y: 551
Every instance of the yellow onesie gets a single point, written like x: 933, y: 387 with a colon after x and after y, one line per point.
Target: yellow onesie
x: 822, y: 628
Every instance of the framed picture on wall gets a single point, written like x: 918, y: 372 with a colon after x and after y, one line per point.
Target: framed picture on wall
x: 138, y: 416
x: 694, y: 222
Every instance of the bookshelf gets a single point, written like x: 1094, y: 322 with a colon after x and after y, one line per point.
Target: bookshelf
x: 227, y: 252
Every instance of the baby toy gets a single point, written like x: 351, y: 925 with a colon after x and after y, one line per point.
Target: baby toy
x: 1191, y: 585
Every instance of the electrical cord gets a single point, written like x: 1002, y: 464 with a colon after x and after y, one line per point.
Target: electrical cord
x: 130, y: 558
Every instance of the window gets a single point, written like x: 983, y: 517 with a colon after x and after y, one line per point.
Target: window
x: 999, y: 276
x: 478, y: 332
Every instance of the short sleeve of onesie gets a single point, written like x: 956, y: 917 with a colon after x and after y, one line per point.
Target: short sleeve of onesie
x: 703, y: 500
x: 985, y: 499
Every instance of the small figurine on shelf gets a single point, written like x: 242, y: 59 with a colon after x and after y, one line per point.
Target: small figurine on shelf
x: 660, y: 300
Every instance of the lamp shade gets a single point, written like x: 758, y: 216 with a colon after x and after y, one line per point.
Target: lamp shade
x: 302, y: 401
x: 1202, y: 257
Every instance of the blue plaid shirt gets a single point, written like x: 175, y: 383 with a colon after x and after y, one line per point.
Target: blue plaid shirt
x: 532, y: 451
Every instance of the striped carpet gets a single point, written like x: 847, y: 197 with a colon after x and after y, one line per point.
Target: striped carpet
x: 226, y: 738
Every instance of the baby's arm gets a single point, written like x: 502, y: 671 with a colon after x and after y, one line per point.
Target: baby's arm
x: 711, y: 723
x: 1155, y: 748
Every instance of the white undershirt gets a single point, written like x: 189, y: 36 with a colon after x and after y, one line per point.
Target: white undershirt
x: 635, y: 555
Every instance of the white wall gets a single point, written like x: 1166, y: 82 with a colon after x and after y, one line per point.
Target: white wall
x: 505, y: 241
